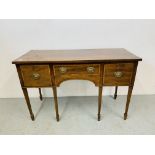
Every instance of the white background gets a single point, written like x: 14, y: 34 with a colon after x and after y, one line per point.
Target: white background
x: 19, y: 36
x: 78, y: 9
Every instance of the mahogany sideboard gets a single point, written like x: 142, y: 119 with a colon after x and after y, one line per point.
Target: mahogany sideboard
x: 104, y: 67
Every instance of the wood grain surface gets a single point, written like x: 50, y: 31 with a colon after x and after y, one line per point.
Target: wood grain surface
x: 76, y: 56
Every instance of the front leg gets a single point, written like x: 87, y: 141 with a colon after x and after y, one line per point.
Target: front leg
x: 56, y: 102
x: 128, y: 101
x: 25, y: 92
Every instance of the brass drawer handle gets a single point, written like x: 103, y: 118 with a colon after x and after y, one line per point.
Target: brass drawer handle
x: 63, y: 70
x: 35, y: 76
x: 118, y: 74
x: 90, y: 69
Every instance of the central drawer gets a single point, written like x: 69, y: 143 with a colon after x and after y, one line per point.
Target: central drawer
x: 77, y: 71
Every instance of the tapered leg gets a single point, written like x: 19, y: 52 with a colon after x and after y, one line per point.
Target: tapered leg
x: 99, y: 102
x: 128, y: 101
x: 115, y: 95
x: 56, y: 102
x: 41, y: 97
x: 28, y: 102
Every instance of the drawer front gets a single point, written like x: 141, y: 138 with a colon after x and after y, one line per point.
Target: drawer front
x: 118, y: 74
x: 89, y: 72
x: 92, y: 69
x: 36, y: 75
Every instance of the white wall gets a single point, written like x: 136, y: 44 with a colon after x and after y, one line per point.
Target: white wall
x: 20, y: 36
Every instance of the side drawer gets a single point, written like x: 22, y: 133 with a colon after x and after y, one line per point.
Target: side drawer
x: 118, y: 74
x: 36, y: 75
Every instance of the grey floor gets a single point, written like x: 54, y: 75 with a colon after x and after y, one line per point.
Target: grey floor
x: 78, y: 115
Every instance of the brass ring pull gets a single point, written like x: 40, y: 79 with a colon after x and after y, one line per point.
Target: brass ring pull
x: 118, y: 74
x: 35, y: 76
x: 90, y: 69
x: 63, y: 70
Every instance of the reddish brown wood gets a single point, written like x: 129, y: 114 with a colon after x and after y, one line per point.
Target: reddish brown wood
x: 56, y: 102
x: 77, y: 56
x: 25, y: 93
x: 42, y: 73
x: 20, y: 75
x: 93, y: 78
x: 100, y: 92
x: 54, y: 93
x: 28, y: 102
x: 128, y: 101
x: 109, y: 73
x: 130, y: 90
x: 99, y: 102
x: 115, y: 95
x: 89, y: 72
x: 40, y: 94
x: 76, y: 69
x: 42, y: 68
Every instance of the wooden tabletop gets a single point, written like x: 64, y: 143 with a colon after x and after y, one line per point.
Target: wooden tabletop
x: 76, y: 56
